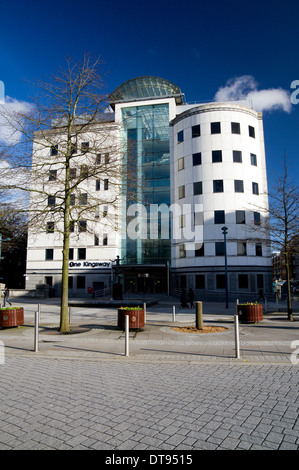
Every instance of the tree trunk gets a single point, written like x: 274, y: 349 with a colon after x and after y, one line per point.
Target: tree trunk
x: 289, y: 299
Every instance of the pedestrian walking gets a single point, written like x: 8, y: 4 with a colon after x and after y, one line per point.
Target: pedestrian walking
x: 261, y: 295
x: 6, y: 297
x: 191, y: 297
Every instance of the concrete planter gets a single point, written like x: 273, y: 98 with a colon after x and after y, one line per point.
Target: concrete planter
x: 136, y: 318
x: 11, y: 317
x: 250, y: 313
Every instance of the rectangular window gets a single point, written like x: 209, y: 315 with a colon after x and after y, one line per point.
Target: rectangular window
x: 182, y: 251
x: 98, y: 159
x: 253, y: 160
x: 216, y: 156
x: 237, y: 156
x: 182, y: 220
x: 105, y: 211
x: 73, y: 173
x: 219, y: 217
x: 49, y: 255
x: 181, y: 192
x: 180, y: 163
x: 71, y: 253
x: 215, y: 128
x: 197, y: 188
x: 196, y: 157
x: 51, y: 200
x: 257, y: 218
x: 49, y: 280
x: 82, y: 226
x: 107, y: 158
x: 218, y: 186
x: 50, y: 227
x: 220, y: 281
x: 105, y: 239
x: 243, y: 281
x: 96, y: 240
x: 236, y: 128
x: 54, y: 150
x: 251, y: 131
x: 106, y: 184
x: 255, y: 188
x: 241, y: 247
x: 240, y: 217
x: 180, y: 136
x: 239, y: 187
x: 84, y: 147
x: 84, y: 171
x: 72, y: 226
x: 98, y: 185
x: 198, y: 218
x: 258, y: 249
x: 81, y: 282
x: 83, y: 199
x: 196, y: 131
x: 219, y: 249
x: 199, y: 249
x: 72, y: 199
x: 52, y: 175
x: 73, y: 148
x: 81, y: 253
x: 200, y: 281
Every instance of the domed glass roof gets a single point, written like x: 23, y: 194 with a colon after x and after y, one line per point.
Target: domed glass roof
x: 145, y: 88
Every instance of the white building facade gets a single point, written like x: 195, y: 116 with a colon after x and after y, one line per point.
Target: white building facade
x: 206, y: 164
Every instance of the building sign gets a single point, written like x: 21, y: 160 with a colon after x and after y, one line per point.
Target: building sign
x: 90, y: 264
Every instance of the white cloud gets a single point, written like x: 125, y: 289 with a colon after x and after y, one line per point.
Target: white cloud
x: 244, y: 88
x: 10, y: 107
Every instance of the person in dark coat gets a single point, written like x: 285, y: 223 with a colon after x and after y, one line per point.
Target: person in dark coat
x: 261, y: 295
x: 191, y: 297
x: 6, y: 296
x: 184, y: 299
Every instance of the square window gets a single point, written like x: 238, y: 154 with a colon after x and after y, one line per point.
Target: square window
x: 257, y: 218
x: 215, y: 128
x: 200, y: 281
x: 180, y: 136
x: 240, y: 217
x: 82, y: 226
x: 52, y: 175
x: 182, y: 251
x: 50, y: 227
x: 49, y: 280
x: 237, y: 156
x: 251, y: 131
x: 181, y: 192
x: 220, y: 281
x: 84, y: 147
x: 241, y: 247
x: 219, y: 248
x: 54, y: 150
x: 199, y: 249
x: 196, y: 131
x: 255, y: 188
x: 81, y: 253
x: 236, y: 128
x: 81, y: 282
x: 258, y: 249
x: 216, y: 156
x: 197, y: 188
x: 198, y: 218
x: 218, y: 186
x: 253, y: 160
x: 49, y: 254
x: 180, y: 163
x: 219, y: 217
x: 83, y: 199
x: 239, y: 188
x: 51, y: 200
x: 196, y: 157
x: 243, y: 281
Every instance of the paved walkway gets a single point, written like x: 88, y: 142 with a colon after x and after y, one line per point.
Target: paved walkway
x: 175, y: 392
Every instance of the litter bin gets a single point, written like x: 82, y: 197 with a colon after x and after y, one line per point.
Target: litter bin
x: 250, y: 313
x: 136, y: 318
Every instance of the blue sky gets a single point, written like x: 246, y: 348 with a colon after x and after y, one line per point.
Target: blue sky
x: 198, y: 45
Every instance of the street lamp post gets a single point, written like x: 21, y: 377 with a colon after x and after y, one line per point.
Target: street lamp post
x: 224, y: 231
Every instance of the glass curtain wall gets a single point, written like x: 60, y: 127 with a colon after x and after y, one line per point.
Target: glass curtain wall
x: 145, y: 137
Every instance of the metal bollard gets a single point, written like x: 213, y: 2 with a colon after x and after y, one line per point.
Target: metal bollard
x: 127, y: 335
x: 199, y: 318
x: 144, y: 308
x: 36, y: 331
x: 237, y: 341
x: 173, y: 313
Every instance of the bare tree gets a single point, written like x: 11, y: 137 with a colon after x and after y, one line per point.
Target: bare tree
x: 282, y: 221
x: 73, y: 147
